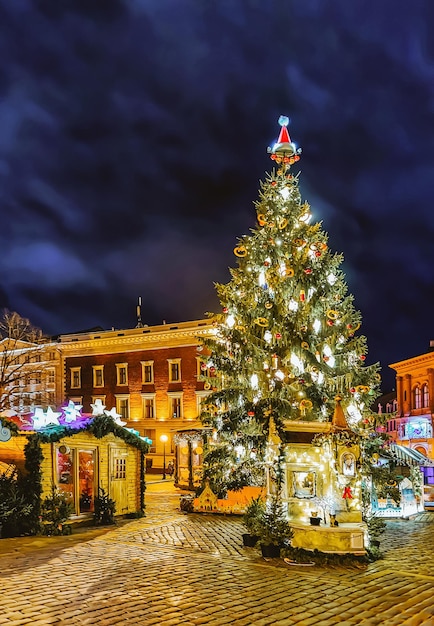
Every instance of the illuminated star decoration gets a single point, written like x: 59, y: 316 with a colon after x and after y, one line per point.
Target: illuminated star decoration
x: 41, y: 419
x: 72, y: 411
x: 115, y: 417
x: 98, y: 407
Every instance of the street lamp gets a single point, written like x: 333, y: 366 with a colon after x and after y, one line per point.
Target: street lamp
x: 164, y: 439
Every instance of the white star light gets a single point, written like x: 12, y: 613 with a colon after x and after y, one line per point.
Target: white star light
x: 72, y: 411
x: 41, y: 419
x: 98, y: 407
x: 115, y: 417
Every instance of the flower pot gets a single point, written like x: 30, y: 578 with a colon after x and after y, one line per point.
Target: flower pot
x: 315, y: 521
x: 271, y: 551
x: 250, y: 541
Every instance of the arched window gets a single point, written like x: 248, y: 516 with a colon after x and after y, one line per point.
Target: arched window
x: 417, y: 398
x: 425, y: 395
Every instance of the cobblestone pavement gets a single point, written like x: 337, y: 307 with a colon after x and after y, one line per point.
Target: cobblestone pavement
x: 171, y: 568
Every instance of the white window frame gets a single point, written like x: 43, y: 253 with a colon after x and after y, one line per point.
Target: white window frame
x: 95, y: 369
x: 119, y: 368
x: 172, y: 395
x: 119, y: 398
x: 146, y: 364
x: 75, y: 371
x: 145, y: 397
x: 172, y: 362
x: 50, y: 377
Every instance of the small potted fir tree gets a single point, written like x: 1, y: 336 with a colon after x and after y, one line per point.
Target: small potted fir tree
x: 273, y: 528
x: 251, y: 519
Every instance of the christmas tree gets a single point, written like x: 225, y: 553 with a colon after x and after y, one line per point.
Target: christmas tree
x: 286, y: 345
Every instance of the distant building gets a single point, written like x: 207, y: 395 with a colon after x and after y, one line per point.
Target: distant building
x: 149, y: 374
x: 411, y: 424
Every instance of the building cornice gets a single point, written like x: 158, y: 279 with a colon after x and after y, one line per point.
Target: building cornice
x: 402, y: 367
x: 137, y: 339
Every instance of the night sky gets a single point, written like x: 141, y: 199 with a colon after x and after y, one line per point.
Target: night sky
x: 133, y: 136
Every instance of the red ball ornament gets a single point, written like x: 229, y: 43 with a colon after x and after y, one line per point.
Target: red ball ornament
x: 362, y: 357
x: 301, y: 381
x: 353, y: 390
x: 251, y: 413
x: 317, y: 253
x: 278, y: 336
x: 212, y: 370
x: 273, y: 183
x: 330, y: 322
x: 225, y: 309
x: 349, y: 326
x: 266, y: 263
x: 325, y: 358
x: 308, y: 270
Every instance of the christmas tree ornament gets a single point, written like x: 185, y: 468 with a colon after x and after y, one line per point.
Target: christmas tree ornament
x: 261, y: 219
x: 261, y: 321
x: 268, y: 305
x: 240, y: 251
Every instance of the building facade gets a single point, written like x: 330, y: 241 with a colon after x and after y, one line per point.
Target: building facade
x: 412, y: 423
x: 149, y: 375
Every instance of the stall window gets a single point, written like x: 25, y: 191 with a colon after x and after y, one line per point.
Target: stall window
x: 76, y: 476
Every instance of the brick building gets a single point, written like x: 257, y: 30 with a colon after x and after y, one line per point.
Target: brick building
x: 150, y: 375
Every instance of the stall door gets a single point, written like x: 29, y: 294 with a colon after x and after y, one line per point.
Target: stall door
x: 118, y: 479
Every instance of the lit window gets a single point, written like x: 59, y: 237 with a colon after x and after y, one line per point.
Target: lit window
x: 51, y: 376
x: 98, y: 375
x: 425, y: 396
x: 122, y: 373
x: 150, y: 434
x: 417, y: 398
x: 175, y: 405
x: 123, y: 407
x: 148, y: 404
x: 201, y: 397
x: 174, y: 370
x: 147, y: 372
x: 75, y: 377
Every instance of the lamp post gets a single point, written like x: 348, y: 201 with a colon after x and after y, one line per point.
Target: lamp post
x: 164, y: 439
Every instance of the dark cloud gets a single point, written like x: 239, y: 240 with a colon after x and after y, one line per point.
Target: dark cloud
x: 133, y: 134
